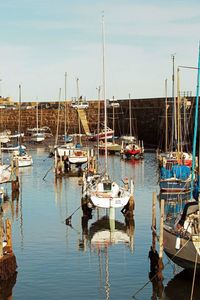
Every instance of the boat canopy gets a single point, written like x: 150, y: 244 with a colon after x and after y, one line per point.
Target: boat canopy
x: 177, y: 171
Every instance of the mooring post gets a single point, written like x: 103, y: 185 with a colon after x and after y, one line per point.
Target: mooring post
x: 154, y: 221
x: 1, y: 236
x: 131, y: 200
x: 9, y: 235
x: 55, y: 161
x: 160, y: 262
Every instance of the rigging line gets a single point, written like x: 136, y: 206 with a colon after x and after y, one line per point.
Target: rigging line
x: 150, y: 280
x: 194, y: 275
x: 47, y: 172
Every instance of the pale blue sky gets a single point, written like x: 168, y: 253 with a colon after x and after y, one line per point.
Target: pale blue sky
x: 41, y: 40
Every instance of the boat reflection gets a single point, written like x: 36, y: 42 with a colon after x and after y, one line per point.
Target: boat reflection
x: 180, y: 287
x: 6, y: 287
x: 102, y: 234
x: 106, y: 231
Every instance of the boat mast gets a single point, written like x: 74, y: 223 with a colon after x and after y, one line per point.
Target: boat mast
x: 130, y: 114
x: 174, y: 128
x: 65, y: 123
x: 166, y: 118
x: 178, y: 113
x: 79, y: 121
x: 58, y: 118
x: 113, y: 139
x: 98, y: 122
x: 19, y: 126
x: 104, y: 95
x: 195, y: 126
x: 37, y: 116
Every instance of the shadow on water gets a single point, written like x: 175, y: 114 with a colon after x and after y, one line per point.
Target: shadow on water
x: 180, y: 287
x: 6, y: 287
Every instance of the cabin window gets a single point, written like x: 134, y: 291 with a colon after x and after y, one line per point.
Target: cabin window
x: 107, y: 186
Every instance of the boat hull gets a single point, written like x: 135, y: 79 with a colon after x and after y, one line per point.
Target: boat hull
x: 5, y: 173
x: 25, y: 161
x: 170, y: 185
x: 185, y: 256
x: 108, y: 202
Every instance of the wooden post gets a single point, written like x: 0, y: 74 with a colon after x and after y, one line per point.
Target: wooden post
x: 160, y: 262
x: 131, y: 200
x: 161, y: 228
x: 9, y: 235
x: 1, y: 236
x: 154, y: 221
x: 55, y: 161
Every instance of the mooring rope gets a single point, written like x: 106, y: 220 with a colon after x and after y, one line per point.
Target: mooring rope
x: 150, y: 280
x: 194, y: 275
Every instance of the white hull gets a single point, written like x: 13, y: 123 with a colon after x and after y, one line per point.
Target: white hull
x: 37, y: 139
x: 16, y: 148
x: 109, y: 201
x: 5, y: 173
x: 23, y: 161
x: 65, y: 149
x: 78, y: 159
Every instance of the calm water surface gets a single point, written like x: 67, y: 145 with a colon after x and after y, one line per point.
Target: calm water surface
x: 56, y: 261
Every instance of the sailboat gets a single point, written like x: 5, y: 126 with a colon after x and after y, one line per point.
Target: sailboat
x: 175, y: 172
x: 112, y: 147
x: 182, y: 238
x: 103, y: 191
x: 131, y: 148
x: 20, y: 157
x: 76, y: 154
x: 37, y: 135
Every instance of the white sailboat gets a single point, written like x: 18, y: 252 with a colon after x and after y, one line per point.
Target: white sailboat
x: 20, y: 157
x: 104, y: 192
x: 37, y: 135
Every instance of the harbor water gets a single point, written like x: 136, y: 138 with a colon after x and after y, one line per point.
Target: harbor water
x: 59, y: 261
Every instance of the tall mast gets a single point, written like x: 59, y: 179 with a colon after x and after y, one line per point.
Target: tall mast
x: 78, y: 98
x: 113, y: 139
x: 37, y: 115
x: 98, y: 122
x: 19, y: 128
x: 166, y: 118
x: 178, y: 113
x: 104, y: 94
x: 130, y: 114
x: 195, y: 125
x: 174, y: 124
x: 65, y: 123
x: 58, y: 118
